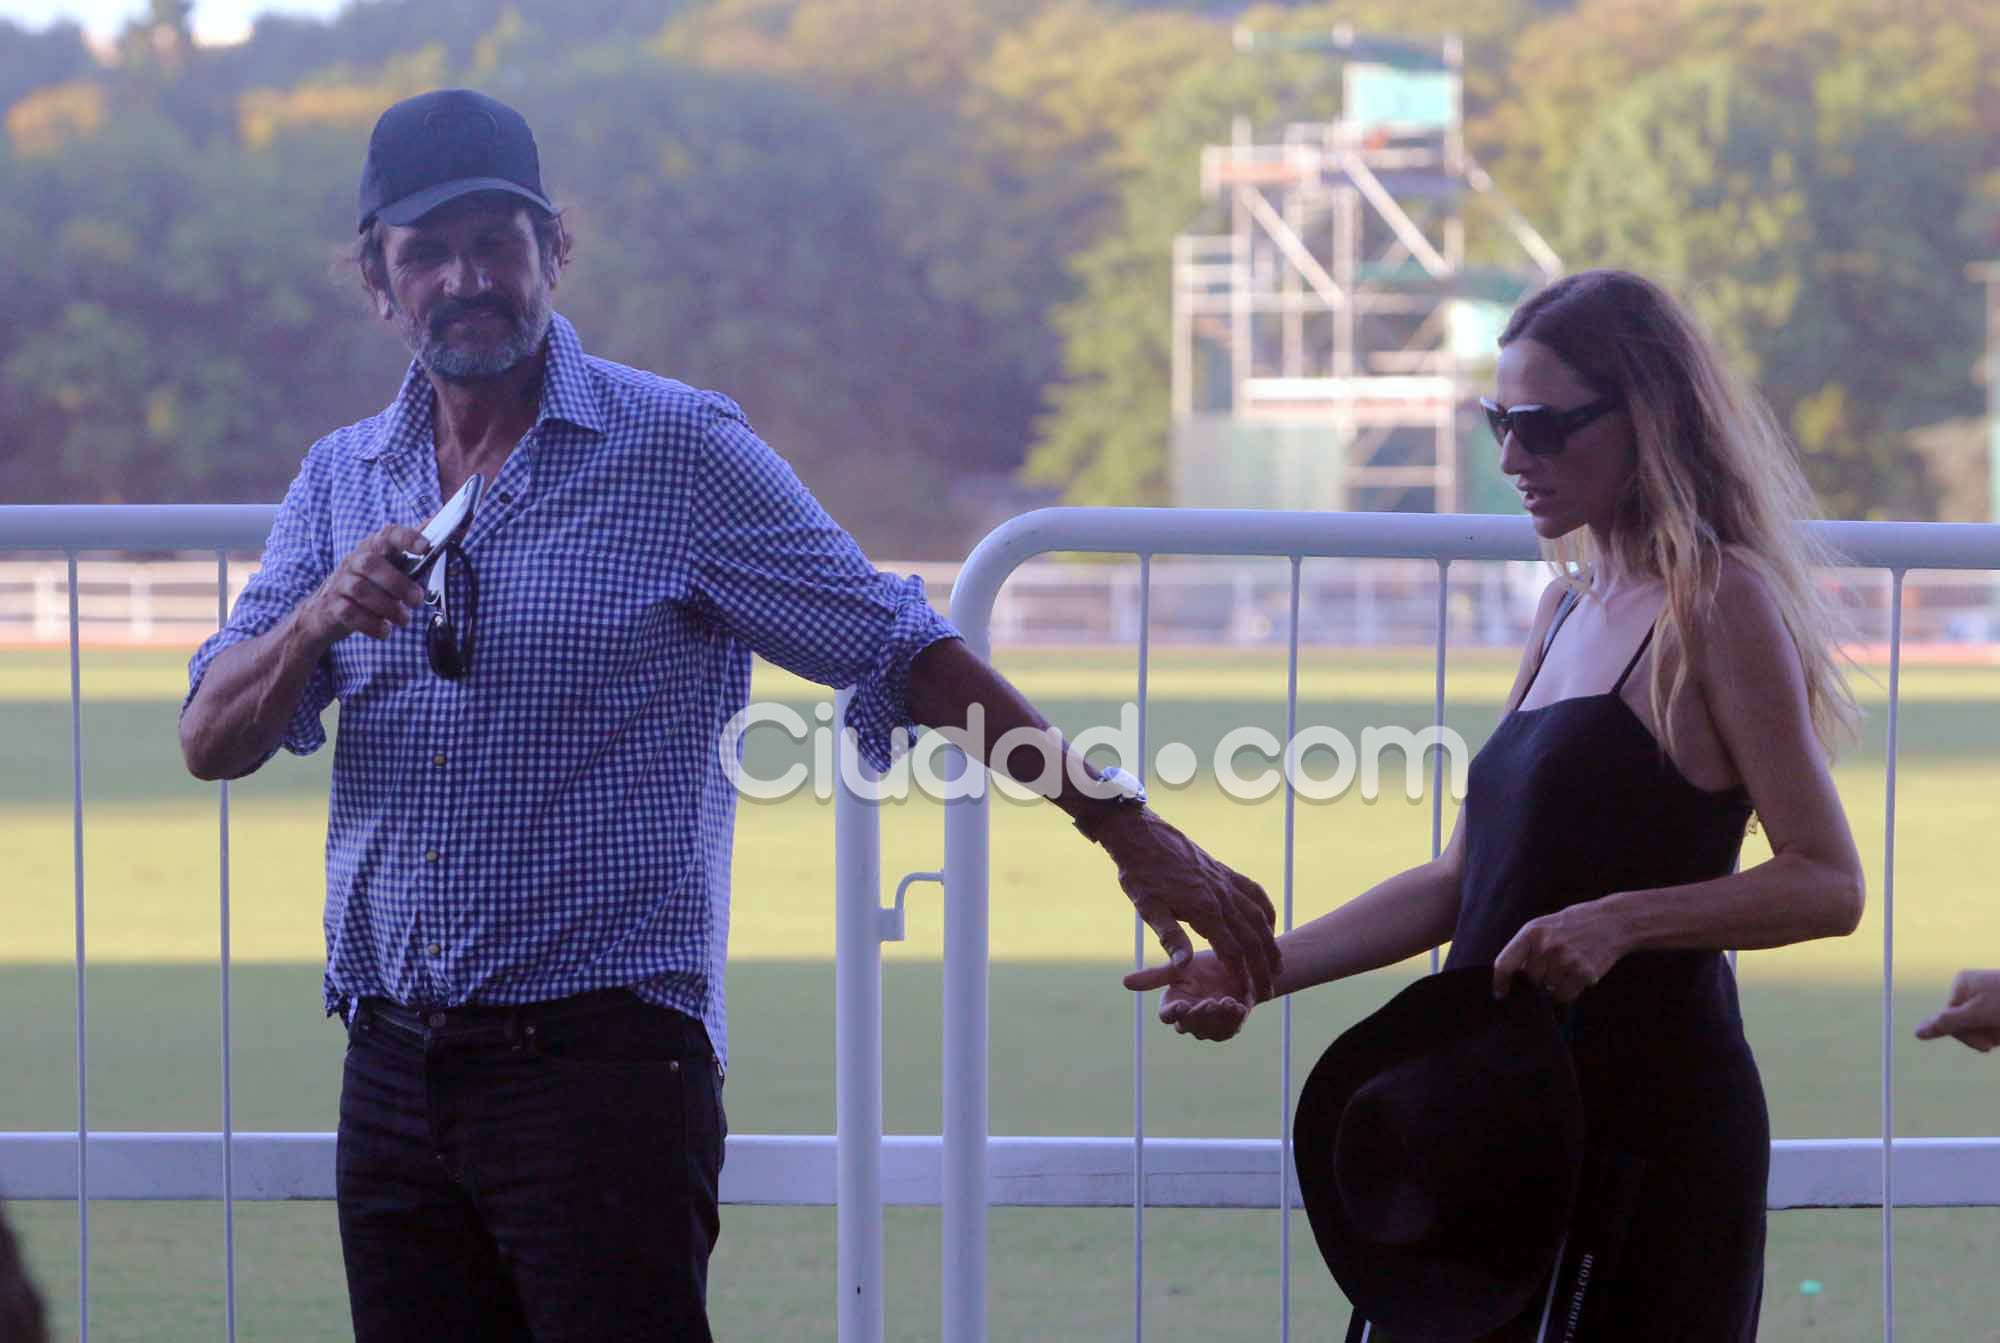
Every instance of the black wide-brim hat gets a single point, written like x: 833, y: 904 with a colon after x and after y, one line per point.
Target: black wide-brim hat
x: 1439, y: 1146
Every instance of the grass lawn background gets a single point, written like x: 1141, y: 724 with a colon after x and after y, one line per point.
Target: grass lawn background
x: 1061, y: 1026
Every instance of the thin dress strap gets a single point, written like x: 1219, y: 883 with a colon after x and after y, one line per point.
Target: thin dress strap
x: 1570, y: 598
x: 1644, y: 644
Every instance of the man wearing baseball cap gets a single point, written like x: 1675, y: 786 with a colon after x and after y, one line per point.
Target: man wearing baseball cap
x: 529, y: 832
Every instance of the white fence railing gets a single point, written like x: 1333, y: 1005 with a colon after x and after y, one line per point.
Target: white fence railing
x: 964, y: 1170
x: 1848, y: 1173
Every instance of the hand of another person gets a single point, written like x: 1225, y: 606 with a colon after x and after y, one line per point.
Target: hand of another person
x: 366, y: 593
x: 1972, y: 1017
x: 1206, y: 998
x: 1565, y: 952
x: 1171, y: 879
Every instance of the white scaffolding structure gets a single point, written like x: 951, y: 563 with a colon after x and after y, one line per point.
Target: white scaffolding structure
x: 1323, y: 345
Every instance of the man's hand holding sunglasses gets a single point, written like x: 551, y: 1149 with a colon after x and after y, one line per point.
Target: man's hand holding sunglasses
x: 367, y: 593
x: 239, y: 715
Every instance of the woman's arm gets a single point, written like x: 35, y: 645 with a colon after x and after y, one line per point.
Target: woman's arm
x: 1391, y: 921
x: 1812, y: 886
x: 1396, y: 918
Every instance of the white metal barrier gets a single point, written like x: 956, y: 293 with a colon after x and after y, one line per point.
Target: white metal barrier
x: 1848, y: 1173
x: 964, y: 1170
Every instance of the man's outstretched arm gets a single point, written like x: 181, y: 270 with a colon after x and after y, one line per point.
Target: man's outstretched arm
x: 1169, y: 878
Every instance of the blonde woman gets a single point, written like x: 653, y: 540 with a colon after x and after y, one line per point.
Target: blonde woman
x: 1679, y: 678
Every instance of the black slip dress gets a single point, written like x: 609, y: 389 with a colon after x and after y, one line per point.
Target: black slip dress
x: 1565, y: 803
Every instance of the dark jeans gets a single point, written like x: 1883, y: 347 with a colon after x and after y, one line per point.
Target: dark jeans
x: 542, y: 1173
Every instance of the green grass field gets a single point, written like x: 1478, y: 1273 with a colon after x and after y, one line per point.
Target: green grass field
x: 1061, y: 1025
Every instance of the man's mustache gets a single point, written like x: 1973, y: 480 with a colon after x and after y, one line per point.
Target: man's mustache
x: 450, y: 313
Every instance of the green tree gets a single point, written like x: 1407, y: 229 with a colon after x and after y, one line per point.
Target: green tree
x: 912, y: 235
x: 1104, y: 438
x: 1814, y: 178
x: 1923, y: 64
x: 1701, y: 179
x: 734, y: 235
x: 34, y: 60
x: 178, y: 335
x: 984, y: 231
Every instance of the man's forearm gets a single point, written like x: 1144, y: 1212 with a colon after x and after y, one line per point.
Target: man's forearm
x: 1168, y: 877
x: 947, y: 679
x: 247, y: 696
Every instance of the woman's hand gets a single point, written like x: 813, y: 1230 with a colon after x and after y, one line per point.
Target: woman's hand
x: 1565, y: 952
x: 1171, y: 880
x: 1972, y: 1017
x: 1206, y: 998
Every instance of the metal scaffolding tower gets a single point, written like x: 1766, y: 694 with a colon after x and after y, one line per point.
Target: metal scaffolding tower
x: 1324, y: 346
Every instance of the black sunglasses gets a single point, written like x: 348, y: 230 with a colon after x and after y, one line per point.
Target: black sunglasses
x: 1542, y: 430
x: 449, y: 648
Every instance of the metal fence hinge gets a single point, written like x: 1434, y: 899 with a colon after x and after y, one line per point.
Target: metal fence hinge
x: 891, y: 924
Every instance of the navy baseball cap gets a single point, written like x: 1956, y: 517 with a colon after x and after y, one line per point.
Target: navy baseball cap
x: 441, y: 145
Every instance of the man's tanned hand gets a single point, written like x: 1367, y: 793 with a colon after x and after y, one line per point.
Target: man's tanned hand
x: 1171, y: 880
x: 367, y: 594
x: 1972, y: 1015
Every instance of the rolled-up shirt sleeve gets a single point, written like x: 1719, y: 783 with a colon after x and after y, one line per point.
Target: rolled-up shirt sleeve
x: 295, y: 562
x: 780, y: 575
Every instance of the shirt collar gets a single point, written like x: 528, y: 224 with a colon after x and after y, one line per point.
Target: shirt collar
x: 567, y: 395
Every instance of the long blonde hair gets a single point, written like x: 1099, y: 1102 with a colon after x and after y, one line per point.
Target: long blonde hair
x: 1714, y: 472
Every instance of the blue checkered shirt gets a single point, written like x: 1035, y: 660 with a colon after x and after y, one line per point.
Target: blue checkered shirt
x: 560, y: 820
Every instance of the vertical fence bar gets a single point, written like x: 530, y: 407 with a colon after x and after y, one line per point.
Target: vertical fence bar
x: 1889, y: 966
x: 857, y: 1033
x: 1285, y: 1027
x: 1437, y: 716
x: 965, y: 1065
x: 228, y: 1081
x: 82, y: 995
x: 1139, y: 1000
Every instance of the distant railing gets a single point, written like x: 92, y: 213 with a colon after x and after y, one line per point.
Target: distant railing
x: 1209, y: 602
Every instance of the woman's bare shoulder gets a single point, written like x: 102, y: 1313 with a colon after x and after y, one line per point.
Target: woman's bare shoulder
x: 1741, y: 628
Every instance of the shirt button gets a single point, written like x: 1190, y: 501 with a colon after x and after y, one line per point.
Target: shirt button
x: 434, y: 949
x: 506, y: 496
x: 437, y: 1019
x: 432, y: 855
x: 438, y: 759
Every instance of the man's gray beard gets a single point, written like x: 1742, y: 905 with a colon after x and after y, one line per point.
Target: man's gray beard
x: 477, y: 364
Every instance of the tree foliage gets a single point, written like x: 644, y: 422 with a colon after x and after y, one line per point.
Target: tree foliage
x: 1814, y: 177
x: 926, y: 242
x: 33, y: 60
